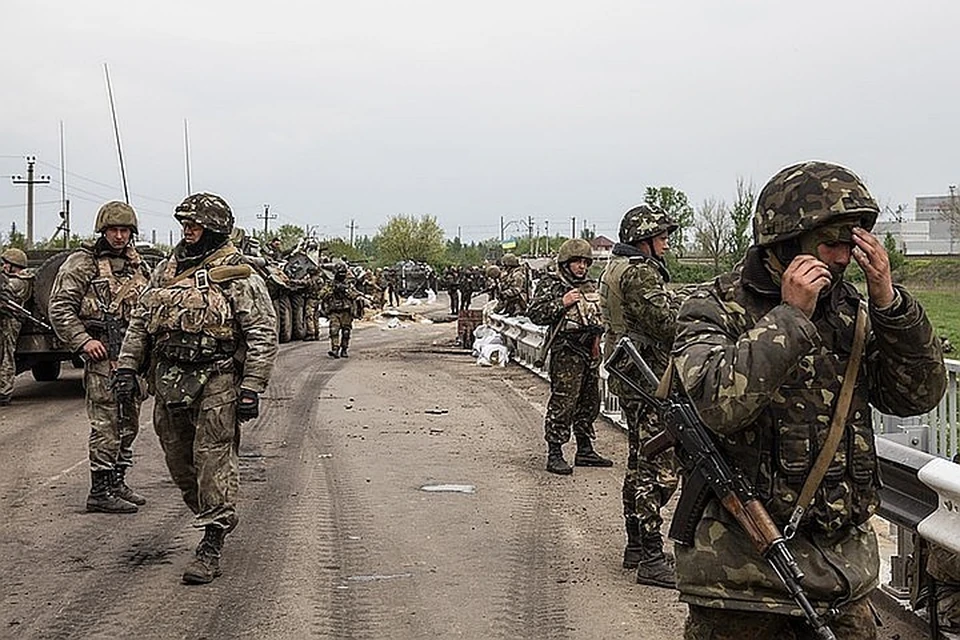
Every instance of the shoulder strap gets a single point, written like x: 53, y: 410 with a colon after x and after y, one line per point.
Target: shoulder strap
x: 837, y: 425
x: 222, y: 252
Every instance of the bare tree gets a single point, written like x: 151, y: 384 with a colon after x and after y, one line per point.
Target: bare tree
x: 950, y: 213
x: 713, y: 227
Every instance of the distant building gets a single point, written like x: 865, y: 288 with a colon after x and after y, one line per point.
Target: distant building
x: 930, y: 232
x: 602, y: 246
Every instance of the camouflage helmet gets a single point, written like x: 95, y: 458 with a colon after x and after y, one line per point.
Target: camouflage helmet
x: 808, y: 195
x: 208, y: 210
x: 645, y: 221
x: 492, y: 271
x: 115, y: 214
x: 14, y: 256
x: 573, y: 249
x: 510, y: 260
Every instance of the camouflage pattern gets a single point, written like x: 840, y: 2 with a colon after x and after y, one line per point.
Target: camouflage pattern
x: 14, y: 256
x: 765, y: 378
x: 807, y: 195
x: 636, y: 303
x: 853, y: 621
x: 115, y: 214
x: 88, y: 285
x: 645, y: 221
x: 574, y: 355
x: 19, y: 287
x: 339, y: 301
x: 574, y: 248
x: 208, y: 210
x: 943, y: 566
x: 199, y: 368
x: 513, y: 291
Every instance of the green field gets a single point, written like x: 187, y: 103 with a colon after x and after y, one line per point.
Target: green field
x: 943, y: 307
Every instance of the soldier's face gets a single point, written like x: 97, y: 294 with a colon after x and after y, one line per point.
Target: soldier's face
x: 117, y: 237
x: 192, y: 232
x: 578, y: 267
x: 661, y: 244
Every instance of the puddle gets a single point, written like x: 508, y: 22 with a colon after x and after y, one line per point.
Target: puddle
x: 449, y: 488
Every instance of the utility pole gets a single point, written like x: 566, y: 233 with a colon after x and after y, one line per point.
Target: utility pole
x: 546, y: 234
x: 573, y: 227
x: 529, y: 233
x: 30, y: 180
x: 266, y: 217
x: 352, y: 226
x: 501, y: 230
x: 65, y: 225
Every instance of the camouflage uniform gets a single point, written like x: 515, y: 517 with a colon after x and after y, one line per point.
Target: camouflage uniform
x: 206, y: 330
x: 450, y: 283
x: 574, y: 401
x: 513, y: 290
x: 636, y: 303
x: 18, y: 287
x: 95, y: 287
x: 764, y: 377
x: 340, y: 303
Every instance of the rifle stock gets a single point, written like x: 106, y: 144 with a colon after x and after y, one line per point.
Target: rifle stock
x: 707, y: 473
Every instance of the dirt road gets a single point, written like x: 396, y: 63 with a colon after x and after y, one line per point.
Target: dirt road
x: 339, y: 536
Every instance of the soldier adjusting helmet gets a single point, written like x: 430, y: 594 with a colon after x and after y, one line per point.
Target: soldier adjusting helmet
x: 115, y: 214
x: 14, y: 256
x: 573, y: 249
x: 809, y: 195
x: 643, y: 222
x: 208, y: 210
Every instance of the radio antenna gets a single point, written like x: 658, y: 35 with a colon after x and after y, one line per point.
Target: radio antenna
x: 116, y: 132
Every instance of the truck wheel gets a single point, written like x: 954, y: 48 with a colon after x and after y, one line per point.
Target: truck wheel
x: 284, y: 319
x: 46, y: 371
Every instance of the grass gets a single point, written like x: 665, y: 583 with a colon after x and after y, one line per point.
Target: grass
x: 943, y: 308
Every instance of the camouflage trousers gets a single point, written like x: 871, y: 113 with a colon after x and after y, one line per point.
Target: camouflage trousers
x: 111, y: 443
x: 9, y: 330
x: 201, y: 446
x: 855, y: 621
x: 647, y: 484
x: 341, y: 324
x: 574, y: 395
x: 311, y: 329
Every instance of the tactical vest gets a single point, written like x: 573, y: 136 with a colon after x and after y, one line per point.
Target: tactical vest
x: 191, y: 319
x: 586, y: 314
x: 612, y: 296
x: 113, y: 294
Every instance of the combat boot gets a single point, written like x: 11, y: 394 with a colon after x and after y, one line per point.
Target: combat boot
x: 333, y: 353
x: 122, y: 490
x: 656, y: 568
x: 633, y: 552
x: 587, y: 457
x: 102, y: 499
x: 555, y: 462
x: 205, y: 565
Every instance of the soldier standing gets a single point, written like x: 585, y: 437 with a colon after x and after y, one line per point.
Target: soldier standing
x: 763, y: 352
x: 467, y: 284
x: 209, y: 361
x: 567, y: 301
x: 339, y: 302
x: 16, y: 284
x: 513, y: 291
x: 450, y: 283
x: 637, y: 303
x: 91, y: 302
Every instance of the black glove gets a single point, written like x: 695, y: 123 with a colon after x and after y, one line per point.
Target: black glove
x: 248, y: 405
x: 123, y: 383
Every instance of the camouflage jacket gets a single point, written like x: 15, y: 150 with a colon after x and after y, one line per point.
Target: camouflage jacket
x: 512, y: 292
x: 765, y: 379
x: 337, y: 297
x: 252, y: 319
x: 77, y: 302
x: 636, y: 303
x: 578, y: 326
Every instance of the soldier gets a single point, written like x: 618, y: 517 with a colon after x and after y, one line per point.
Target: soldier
x: 450, y: 283
x: 467, y: 285
x: 513, y: 292
x: 636, y: 303
x: 391, y: 276
x: 763, y: 352
x: 208, y: 363
x: 567, y: 301
x: 16, y: 284
x: 339, y: 302
x: 91, y: 302
x: 274, y: 249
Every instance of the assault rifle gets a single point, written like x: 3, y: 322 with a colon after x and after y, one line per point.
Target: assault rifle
x: 708, y: 474
x: 15, y: 309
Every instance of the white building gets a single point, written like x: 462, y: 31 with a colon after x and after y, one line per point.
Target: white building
x: 929, y: 233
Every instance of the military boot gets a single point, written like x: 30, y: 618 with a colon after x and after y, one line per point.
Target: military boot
x: 633, y: 552
x: 656, y: 568
x: 587, y: 457
x: 205, y: 566
x: 555, y: 462
x: 333, y: 353
x: 102, y: 499
x: 122, y: 490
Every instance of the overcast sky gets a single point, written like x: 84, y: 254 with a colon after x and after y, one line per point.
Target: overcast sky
x: 359, y: 110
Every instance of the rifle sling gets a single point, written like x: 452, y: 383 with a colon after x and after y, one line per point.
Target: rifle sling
x: 837, y: 425
x: 223, y: 251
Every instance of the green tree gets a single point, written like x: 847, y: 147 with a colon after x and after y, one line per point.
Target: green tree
x: 405, y: 237
x: 674, y: 202
x: 741, y: 213
x: 289, y: 235
x: 896, y: 256
x: 340, y: 248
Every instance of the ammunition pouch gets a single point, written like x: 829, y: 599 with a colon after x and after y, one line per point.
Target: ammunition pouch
x: 193, y: 349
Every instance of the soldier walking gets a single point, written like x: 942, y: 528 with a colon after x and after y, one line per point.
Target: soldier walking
x: 16, y: 284
x: 567, y: 301
x: 91, y: 303
x: 208, y: 363
x: 340, y: 303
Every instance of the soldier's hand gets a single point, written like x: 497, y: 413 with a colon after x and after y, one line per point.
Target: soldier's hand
x: 872, y: 257
x: 802, y: 282
x: 571, y: 297
x: 248, y: 405
x: 123, y: 383
x: 95, y: 350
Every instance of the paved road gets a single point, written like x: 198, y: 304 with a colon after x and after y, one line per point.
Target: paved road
x: 339, y: 537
